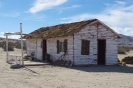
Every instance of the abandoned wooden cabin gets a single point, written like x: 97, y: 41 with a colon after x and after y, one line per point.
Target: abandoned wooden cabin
x: 80, y: 42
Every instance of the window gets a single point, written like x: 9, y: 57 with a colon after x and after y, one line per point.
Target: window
x: 62, y: 46
x: 85, y: 47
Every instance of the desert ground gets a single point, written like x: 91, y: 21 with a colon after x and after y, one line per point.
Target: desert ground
x: 48, y: 76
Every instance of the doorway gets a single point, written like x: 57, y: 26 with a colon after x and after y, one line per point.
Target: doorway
x: 101, y: 52
x: 44, y: 49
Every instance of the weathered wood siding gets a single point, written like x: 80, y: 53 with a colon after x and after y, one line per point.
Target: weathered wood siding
x: 89, y: 32
x: 111, y: 44
x: 92, y: 33
x: 85, y: 34
x: 52, y: 48
x: 34, y: 45
x: 39, y: 49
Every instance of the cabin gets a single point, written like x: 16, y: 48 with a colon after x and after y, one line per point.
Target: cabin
x: 82, y: 43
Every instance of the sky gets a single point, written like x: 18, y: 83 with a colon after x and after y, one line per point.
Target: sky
x: 34, y: 14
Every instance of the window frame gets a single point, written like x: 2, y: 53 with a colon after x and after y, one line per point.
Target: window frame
x: 85, y: 47
x: 62, y: 46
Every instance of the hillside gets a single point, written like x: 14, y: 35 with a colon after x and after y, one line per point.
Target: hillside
x: 13, y: 43
x: 125, y: 40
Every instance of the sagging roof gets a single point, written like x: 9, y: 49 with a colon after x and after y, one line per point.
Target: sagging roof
x: 60, y: 30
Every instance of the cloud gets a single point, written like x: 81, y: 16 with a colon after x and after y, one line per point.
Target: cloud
x: 40, y: 5
x: 10, y: 14
x: 125, y: 31
x: 117, y: 16
x: 121, y: 3
x: 11, y: 36
x: 2, y: 34
x: 66, y: 8
x: 76, y: 18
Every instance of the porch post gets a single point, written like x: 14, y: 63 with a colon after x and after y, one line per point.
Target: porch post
x: 21, y: 44
x: 7, y: 48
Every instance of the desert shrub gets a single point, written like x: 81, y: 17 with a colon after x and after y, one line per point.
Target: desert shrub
x: 10, y: 46
x: 18, y: 45
x: 26, y: 57
x: 2, y: 43
x: 123, y: 50
x: 24, y: 46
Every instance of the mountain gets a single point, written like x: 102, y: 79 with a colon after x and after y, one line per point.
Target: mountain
x: 125, y: 40
x: 10, y: 40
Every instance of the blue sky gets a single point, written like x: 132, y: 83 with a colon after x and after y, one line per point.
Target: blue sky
x: 33, y: 14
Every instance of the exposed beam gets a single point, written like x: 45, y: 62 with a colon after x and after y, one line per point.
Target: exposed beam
x: 16, y: 33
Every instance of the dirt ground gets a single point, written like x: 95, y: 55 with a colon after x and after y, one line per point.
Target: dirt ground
x: 48, y: 76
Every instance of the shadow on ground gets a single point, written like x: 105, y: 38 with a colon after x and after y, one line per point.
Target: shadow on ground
x: 28, y: 69
x: 99, y: 68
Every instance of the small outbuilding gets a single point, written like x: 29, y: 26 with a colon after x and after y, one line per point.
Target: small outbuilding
x: 82, y: 43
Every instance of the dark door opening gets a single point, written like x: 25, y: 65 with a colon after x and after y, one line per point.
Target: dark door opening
x: 44, y: 49
x: 101, y: 52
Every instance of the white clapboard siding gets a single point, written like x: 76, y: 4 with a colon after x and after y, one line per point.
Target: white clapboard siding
x: 103, y: 33
x: 52, y: 48
x: 34, y: 45
x: 89, y: 32
x: 39, y: 49
x: 31, y: 46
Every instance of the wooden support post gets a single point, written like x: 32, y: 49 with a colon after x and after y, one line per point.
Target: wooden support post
x: 16, y: 33
x: 7, y: 48
x: 21, y: 44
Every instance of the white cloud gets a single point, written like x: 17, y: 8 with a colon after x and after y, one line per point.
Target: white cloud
x: 121, y: 3
x: 65, y: 18
x: 66, y: 8
x: 11, y: 37
x: 2, y: 34
x: 76, y: 18
x: 40, y: 5
x: 125, y: 31
x: 117, y: 16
